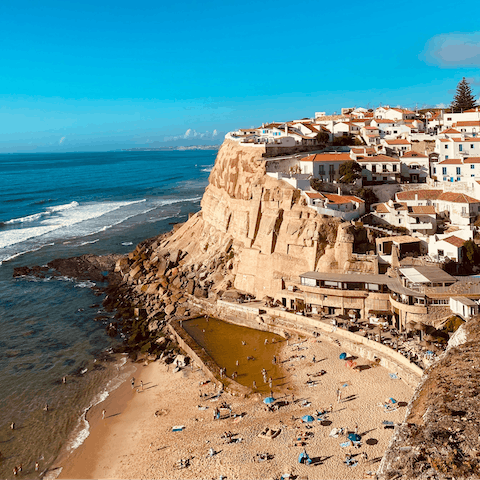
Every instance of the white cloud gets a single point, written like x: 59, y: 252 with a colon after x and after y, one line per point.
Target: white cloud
x: 453, y: 50
x: 192, y: 133
x: 214, y: 133
x: 62, y: 140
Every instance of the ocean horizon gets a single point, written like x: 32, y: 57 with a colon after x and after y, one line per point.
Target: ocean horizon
x: 65, y: 205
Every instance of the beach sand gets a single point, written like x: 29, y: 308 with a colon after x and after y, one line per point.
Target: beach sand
x: 134, y: 443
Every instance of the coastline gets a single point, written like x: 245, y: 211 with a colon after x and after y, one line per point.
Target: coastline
x: 134, y: 443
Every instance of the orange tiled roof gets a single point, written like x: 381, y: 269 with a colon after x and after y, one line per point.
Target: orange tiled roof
x: 458, y: 161
x: 314, y: 195
x: 455, y: 241
x: 338, y: 199
x: 327, y: 157
x: 382, y: 120
x: 473, y: 139
x: 398, y: 141
x: 465, y: 123
x: 423, y: 209
x: 378, y: 158
x: 411, y: 153
x: 450, y: 130
x: 382, y: 208
x: 422, y: 194
x: 457, y: 198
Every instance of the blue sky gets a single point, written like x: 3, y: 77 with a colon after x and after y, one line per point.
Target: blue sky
x: 99, y: 75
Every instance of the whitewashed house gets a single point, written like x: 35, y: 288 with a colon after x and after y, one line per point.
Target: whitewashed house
x: 468, y: 128
x: 348, y: 207
x: 380, y: 168
x: 457, y: 147
x: 324, y: 166
x: 370, y: 135
x: 457, y: 170
x: 464, y: 307
x: 398, y: 145
x: 416, y: 219
x: 415, y: 167
x: 450, y: 247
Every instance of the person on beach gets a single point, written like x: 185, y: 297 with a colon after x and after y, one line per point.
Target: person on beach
x: 313, y: 359
x: 141, y: 384
x: 274, y: 361
x: 46, y: 407
x: 15, y: 471
x: 133, y: 382
x: 270, y: 382
x: 37, y: 466
x: 266, y: 341
x: 64, y: 380
x: 19, y: 468
x: 103, y: 414
x: 254, y: 385
x: 339, y: 395
x: 12, y: 425
x: 356, y: 428
x: 331, y: 408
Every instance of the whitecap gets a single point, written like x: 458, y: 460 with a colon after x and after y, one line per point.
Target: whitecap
x: 126, y: 244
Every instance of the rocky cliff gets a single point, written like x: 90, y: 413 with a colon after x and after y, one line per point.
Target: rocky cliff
x: 252, y: 233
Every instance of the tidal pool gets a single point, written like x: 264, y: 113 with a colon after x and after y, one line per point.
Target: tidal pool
x: 228, y: 344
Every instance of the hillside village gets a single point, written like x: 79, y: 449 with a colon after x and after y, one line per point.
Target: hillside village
x: 416, y: 188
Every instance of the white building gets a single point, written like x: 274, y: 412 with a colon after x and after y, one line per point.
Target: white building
x: 450, y: 247
x: 463, y: 306
x: 347, y: 207
x: 457, y: 170
x: 415, y: 167
x: 457, y: 147
x: 458, y: 208
x: 416, y: 219
x: 399, y: 145
x: 324, y: 166
x: 380, y: 168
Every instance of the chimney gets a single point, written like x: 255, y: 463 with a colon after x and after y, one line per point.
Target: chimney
x: 416, y: 197
x: 286, y: 129
x: 339, y: 190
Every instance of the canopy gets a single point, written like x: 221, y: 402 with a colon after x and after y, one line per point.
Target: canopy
x: 343, y: 356
x: 354, y: 437
x: 268, y: 400
x: 307, y: 418
x: 304, y: 457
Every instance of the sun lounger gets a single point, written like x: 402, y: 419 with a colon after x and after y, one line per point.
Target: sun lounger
x: 345, y: 444
x: 178, y: 428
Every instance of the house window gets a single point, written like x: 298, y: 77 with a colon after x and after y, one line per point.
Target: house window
x: 444, y: 170
x: 444, y: 179
x: 446, y: 147
x: 460, y: 148
x: 458, y: 179
x: 321, y: 171
x: 449, y: 119
x: 374, y: 168
x: 384, y: 179
x: 394, y: 167
x: 472, y: 145
x: 440, y: 253
x: 395, y: 131
x: 434, y: 170
x: 384, y: 168
x: 399, y: 220
x: 458, y: 170
x: 446, y: 157
x: 472, y: 166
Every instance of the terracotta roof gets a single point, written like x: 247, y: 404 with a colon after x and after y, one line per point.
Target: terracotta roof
x: 383, y: 120
x: 474, y: 139
x: 314, y: 195
x: 398, y: 141
x: 443, y: 140
x: 455, y: 241
x: 327, y: 157
x: 457, y: 198
x: 471, y: 110
x: 371, y: 128
x: 450, y: 130
x: 423, y: 209
x: 363, y: 151
x: 382, y: 208
x: 378, y: 158
x: 411, y: 153
x: 458, y: 161
x: 422, y: 194
x: 472, y: 123
x: 333, y: 198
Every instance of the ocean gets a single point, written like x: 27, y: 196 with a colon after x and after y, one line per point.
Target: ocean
x: 58, y: 206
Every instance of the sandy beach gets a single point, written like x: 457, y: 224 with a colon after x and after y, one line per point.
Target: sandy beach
x: 133, y: 442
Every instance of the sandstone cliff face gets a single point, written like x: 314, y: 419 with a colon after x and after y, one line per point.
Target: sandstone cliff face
x: 252, y: 233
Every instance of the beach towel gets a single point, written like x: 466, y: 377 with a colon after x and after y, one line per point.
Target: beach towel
x: 393, y: 376
x: 334, y: 433
x: 345, y: 385
x: 345, y: 444
x: 178, y: 428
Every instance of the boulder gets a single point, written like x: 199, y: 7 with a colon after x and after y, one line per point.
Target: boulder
x: 200, y: 292
x: 153, y: 288
x: 190, y: 287
x: 181, y: 361
x: 153, y: 325
x: 180, y: 311
x: 161, y: 266
x: 169, y: 309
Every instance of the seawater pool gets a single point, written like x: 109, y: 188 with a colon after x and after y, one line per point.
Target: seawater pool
x: 253, y: 349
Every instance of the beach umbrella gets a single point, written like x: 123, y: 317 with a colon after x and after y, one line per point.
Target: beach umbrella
x: 354, y: 437
x: 343, y: 356
x: 391, y: 400
x: 269, y: 400
x: 307, y: 418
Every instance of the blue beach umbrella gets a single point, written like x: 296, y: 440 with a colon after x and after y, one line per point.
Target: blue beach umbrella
x: 268, y: 400
x: 392, y: 400
x: 354, y: 437
x: 343, y: 356
x: 308, y: 418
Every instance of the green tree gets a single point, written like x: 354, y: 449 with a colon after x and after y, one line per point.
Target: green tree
x: 349, y: 171
x: 464, y: 99
x: 323, y: 137
x: 368, y: 195
x: 316, y: 184
x: 471, y: 254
